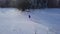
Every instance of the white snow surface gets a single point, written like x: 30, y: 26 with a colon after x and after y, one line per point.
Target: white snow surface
x: 13, y: 21
x: 49, y: 17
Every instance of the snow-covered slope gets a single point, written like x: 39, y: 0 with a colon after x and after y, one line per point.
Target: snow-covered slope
x: 48, y: 17
x: 13, y: 21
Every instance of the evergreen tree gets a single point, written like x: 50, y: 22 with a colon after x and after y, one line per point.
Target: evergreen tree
x: 24, y: 5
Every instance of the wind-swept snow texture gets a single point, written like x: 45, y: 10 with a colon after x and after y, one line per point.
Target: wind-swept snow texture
x: 13, y: 21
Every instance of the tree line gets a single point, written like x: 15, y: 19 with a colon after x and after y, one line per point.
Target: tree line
x: 29, y: 4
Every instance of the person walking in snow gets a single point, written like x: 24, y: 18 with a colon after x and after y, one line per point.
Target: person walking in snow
x: 29, y: 16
